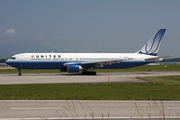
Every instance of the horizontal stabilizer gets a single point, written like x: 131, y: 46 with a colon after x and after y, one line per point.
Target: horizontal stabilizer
x: 157, y: 58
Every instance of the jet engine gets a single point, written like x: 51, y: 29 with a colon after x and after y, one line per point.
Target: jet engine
x: 71, y: 68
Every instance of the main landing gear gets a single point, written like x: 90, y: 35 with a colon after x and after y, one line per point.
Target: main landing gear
x: 19, y: 70
x: 88, y: 73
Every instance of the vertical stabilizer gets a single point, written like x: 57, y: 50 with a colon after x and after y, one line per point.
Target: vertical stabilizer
x: 152, y: 46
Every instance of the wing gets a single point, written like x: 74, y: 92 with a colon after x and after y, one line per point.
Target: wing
x: 97, y: 63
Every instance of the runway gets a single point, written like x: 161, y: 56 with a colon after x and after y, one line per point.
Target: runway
x: 45, y: 78
x: 85, y: 109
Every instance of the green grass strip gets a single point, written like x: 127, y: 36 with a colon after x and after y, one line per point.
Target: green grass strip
x: 167, y: 80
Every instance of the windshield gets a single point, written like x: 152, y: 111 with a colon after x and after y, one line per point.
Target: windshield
x: 13, y: 58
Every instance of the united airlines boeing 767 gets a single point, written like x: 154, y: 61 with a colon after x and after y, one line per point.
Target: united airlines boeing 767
x: 87, y: 62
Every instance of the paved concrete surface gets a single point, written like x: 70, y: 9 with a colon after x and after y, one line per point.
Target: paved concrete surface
x: 78, y: 78
x: 126, y: 110
x: 60, y: 109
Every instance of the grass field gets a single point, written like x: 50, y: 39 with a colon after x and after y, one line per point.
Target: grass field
x: 159, y: 88
x: 143, y: 68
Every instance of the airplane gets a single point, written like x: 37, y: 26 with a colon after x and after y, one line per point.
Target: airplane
x: 88, y: 62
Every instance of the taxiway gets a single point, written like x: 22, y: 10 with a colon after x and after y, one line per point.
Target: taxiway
x: 78, y: 78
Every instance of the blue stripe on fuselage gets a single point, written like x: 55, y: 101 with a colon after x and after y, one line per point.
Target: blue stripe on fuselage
x: 59, y: 64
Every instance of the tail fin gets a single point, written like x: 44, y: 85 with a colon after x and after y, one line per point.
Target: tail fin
x: 152, y: 46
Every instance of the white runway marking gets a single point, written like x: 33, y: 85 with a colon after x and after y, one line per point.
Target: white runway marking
x: 53, y: 108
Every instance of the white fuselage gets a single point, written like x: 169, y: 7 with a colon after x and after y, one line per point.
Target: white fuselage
x: 57, y: 60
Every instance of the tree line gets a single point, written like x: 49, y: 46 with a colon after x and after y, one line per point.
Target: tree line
x: 3, y: 60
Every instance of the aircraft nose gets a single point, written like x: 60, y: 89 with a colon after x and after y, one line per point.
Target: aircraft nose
x: 7, y: 62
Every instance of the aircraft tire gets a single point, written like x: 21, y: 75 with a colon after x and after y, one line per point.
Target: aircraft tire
x: 93, y: 73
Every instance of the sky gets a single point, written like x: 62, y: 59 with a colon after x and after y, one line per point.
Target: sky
x: 112, y: 26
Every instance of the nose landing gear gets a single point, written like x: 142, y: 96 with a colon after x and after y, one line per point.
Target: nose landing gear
x: 19, y: 70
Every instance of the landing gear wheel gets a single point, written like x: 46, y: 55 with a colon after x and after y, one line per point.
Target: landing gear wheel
x: 19, y: 70
x: 93, y: 73
x: 19, y: 74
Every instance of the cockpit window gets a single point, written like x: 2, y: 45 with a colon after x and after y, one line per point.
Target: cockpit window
x: 13, y: 58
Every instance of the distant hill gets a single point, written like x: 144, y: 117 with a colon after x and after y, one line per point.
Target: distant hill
x: 7, y: 51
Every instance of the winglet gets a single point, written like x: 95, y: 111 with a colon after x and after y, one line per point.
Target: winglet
x: 152, y: 46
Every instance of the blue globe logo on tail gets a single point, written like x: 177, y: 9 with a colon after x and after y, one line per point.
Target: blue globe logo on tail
x: 152, y: 46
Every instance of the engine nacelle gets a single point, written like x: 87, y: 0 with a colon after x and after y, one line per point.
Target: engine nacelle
x: 71, y: 68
